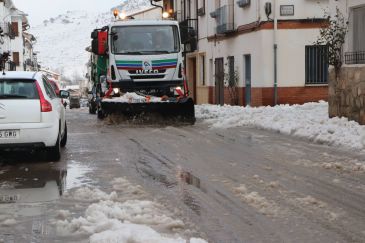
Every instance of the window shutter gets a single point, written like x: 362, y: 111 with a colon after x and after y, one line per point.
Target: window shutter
x: 359, y: 29
x: 16, y: 58
x: 15, y: 28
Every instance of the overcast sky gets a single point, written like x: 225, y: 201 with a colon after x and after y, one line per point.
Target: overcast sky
x: 40, y: 10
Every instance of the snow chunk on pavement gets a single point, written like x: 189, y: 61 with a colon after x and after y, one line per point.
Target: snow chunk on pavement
x: 309, y: 121
x: 134, y: 98
x: 121, y: 218
x: 93, y: 194
x: 132, y: 233
x: 9, y: 222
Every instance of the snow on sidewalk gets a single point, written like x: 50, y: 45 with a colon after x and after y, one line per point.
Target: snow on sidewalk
x: 308, y: 121
x: 124, y: 215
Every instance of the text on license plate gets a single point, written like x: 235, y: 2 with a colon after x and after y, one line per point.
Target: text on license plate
x: 9, y: 134
x: 9, y: 198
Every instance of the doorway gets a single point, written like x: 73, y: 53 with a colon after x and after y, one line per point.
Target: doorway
x: 219, y: 81
x: 247, y: 72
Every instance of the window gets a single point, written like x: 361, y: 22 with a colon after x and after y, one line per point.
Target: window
x: 316, y: 64
x: 211, y: 74
x: 16, y: 58
x: 202, y: 70
x: 142, y: 40
x: 18, y: 89
x: 201, y: 8
x: 15, y: 28
x: 49, y: 90
x: 359, y: 29
x: 357, y: 54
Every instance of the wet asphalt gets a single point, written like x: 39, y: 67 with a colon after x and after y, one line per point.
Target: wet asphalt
x: 230, y: 185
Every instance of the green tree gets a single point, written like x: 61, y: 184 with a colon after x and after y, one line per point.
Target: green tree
x: 333, y: 35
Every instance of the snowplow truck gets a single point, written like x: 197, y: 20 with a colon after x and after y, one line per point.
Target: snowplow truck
x: 145, y: 72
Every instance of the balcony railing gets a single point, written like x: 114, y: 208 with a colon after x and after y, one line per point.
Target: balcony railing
x: 357, y: 57
x: 225, y: 19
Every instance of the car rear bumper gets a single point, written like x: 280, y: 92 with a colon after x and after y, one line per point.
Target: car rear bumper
x: 31, y: 135
x: 21, y: 146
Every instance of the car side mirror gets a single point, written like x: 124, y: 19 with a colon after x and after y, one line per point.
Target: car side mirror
x: 64, y: 94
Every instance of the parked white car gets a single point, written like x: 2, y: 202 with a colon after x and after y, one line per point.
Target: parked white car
x: 31, y: 114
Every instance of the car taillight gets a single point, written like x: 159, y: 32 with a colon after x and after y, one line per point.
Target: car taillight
x: 46, y: 106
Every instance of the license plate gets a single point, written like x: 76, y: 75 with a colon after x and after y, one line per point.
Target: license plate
x: 7, y: 134
x: 9, y: 198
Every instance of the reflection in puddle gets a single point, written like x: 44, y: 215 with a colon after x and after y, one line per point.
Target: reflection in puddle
x: 76, y: 175
x: 32, y: 185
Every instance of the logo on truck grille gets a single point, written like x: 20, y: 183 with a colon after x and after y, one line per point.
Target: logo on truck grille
x: 146, y: 65
x: 2, y: 106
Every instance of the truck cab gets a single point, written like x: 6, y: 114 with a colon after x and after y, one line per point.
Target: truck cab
x: 143, y: 56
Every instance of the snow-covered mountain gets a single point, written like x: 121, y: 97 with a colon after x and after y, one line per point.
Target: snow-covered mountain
x: 61, y: 41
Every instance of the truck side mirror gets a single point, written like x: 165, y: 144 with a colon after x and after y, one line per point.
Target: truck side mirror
x: 95, y: 46
x: 94, y: 34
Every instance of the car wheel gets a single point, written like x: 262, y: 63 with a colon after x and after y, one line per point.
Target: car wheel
x: 64, y: 138
x: 54, y: 153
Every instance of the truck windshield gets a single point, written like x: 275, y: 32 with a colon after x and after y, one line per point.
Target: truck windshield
x: 142, y: 40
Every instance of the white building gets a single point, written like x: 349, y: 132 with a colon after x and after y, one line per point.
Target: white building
x: 354, y: 49
x: 267, y: 43
x: 13, y: 23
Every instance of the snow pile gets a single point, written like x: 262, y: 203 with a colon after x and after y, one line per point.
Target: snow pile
x: 121, y: 218
x: 134, y: 98
x: 255, y: 200
x: 306, y: 121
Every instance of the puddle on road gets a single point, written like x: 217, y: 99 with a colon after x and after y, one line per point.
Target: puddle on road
x: 77, y: 175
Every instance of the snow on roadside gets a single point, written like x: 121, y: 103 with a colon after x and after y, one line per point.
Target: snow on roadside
x: 306, y: 121
x: 123, y: 215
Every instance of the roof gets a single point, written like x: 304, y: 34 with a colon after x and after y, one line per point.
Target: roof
x: 144, y: 22
x: 18, y: 74
x: 50, y: 72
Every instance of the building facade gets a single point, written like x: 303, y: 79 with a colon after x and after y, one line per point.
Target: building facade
x: 347, y: 91
x: 253, y: 52
x: 14, y: 40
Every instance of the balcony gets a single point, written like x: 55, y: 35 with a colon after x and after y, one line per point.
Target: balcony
x: 225, y: 19
x: 357, y: 57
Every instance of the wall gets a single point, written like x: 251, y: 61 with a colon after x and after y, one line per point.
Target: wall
x: 347, y: 94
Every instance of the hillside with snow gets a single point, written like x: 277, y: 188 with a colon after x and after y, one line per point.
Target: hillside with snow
x: 61, y: 41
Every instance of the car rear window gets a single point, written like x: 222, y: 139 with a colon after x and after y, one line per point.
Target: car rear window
x: 18, y: 89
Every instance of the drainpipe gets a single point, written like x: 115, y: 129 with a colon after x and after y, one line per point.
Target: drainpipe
x: 275, y: 55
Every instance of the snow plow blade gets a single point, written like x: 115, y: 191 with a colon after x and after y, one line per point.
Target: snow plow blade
x: 179, y: 110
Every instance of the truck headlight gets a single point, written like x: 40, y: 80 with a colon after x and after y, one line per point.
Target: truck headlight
x: 116, y: 91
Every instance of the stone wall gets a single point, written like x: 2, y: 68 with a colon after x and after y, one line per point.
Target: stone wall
x: 347, y: 94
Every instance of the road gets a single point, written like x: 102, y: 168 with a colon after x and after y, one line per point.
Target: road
x: 232, y: 185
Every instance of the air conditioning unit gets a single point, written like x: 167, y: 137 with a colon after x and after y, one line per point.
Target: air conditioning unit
x: 214, y: 14
x: 243, y: 3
